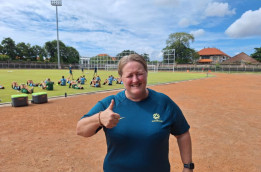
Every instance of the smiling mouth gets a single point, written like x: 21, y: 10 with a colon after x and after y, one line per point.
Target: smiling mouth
x: 136, y: 85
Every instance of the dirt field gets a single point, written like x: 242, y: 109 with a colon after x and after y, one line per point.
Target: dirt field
x: 224, y: 113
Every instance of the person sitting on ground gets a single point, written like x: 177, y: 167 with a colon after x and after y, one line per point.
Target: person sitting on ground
x: 31, y: 83
x: 2, y: 87
x: 48, y: 85
x: 98, y: 79
x: 74, y: 85
x: 105, y: 82
x: 25, y: 89
x: 93, y: 81
x: 96, y: 83
x: 109, y: 80
x: 62, y: 81
x: 83, y: 79
x: 119, y: 81
x: 15, y: 86
x: 43, y: 83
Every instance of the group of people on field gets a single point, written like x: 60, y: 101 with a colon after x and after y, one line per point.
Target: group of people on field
x: 47, y: 84
x: 28, y: 88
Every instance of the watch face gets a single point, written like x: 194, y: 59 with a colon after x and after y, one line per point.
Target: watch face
x: 189, y: 166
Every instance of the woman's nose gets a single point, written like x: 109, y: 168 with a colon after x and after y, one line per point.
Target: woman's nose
x: 134, y: 78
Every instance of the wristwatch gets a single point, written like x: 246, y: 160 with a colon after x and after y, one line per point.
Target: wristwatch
x: 189, y: 166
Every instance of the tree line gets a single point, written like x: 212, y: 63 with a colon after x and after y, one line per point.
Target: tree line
x: 177, y: 50
x: 180, y: 41
x: 26, y: 52
x: 106, y: 59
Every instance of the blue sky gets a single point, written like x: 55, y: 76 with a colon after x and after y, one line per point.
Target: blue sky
x: 111, y: 26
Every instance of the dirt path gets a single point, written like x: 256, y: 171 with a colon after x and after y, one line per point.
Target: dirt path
x: 224, y: 113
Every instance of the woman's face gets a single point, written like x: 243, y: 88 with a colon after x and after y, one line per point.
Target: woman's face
x: 134, y: 78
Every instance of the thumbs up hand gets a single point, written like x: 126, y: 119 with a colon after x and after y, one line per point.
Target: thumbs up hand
x: 108, y: 118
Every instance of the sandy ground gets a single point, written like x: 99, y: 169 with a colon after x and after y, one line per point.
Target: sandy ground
x: 224, y: 113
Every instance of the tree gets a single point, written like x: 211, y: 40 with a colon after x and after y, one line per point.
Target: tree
x: 146, y: 57
x: 195, y: 56
x: 1, y: 49
x: 257, y: 54
x: 25, y: 51
x: 125, y: 53
x: 4, y: 57
x: 67, y: 54
x: 22, y: 50
x: 38, y: 52
x: 72, y: 55
x: 9, y: 48
x: 51, y: 49
x: 179, y: 41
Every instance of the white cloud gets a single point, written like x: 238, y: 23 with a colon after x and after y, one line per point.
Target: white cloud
x: 113, y: 25
x: 184, y: 22
x: 216, y: 9
x: 198, y: 33
x: 249, y: 24
x: 167, y: 2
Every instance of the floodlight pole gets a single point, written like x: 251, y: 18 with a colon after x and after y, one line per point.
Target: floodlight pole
x: 57, y: 3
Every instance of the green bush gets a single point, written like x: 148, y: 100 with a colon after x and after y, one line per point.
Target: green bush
x: 4, y: 57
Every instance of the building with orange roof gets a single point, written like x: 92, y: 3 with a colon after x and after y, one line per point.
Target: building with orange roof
x: 106, y: 55
x: 212, y: 55
x: 241, y: 59
x: 103, y: 55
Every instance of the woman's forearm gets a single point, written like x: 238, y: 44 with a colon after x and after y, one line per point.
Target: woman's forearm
x: 185, y: 147
x: 87, y: 127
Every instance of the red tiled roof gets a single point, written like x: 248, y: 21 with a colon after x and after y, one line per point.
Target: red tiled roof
x: 211, y: 51
x: 205, y: 61
x: 102, y: 55
x: 242, y: 57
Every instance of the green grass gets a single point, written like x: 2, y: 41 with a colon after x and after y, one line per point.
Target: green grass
x: 7, y: 76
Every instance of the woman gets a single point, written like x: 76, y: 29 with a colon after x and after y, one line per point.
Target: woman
x: 74, y: 85
x: 137, y: 123
x: 62, y: 81
x: 25, y: 89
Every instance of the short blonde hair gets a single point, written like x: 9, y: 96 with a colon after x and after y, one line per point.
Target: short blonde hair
x: 129, y: 58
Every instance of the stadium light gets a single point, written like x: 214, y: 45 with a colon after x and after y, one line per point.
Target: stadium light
x: 57, y: 3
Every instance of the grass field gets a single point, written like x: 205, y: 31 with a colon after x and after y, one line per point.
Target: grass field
x: 7, y: 76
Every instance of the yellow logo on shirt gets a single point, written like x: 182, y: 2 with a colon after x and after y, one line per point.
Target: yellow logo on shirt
x: 156, y: 117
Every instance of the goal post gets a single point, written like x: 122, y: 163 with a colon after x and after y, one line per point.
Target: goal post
x: 152, y: 68
x: 111, y: 67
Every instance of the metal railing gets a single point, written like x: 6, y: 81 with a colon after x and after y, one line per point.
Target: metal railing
x: 158, y: 67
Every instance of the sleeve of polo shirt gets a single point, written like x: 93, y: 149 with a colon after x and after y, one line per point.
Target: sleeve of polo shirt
x: 180, y: 124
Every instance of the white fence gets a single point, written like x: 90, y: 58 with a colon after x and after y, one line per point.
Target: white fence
x: 151, y: 66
